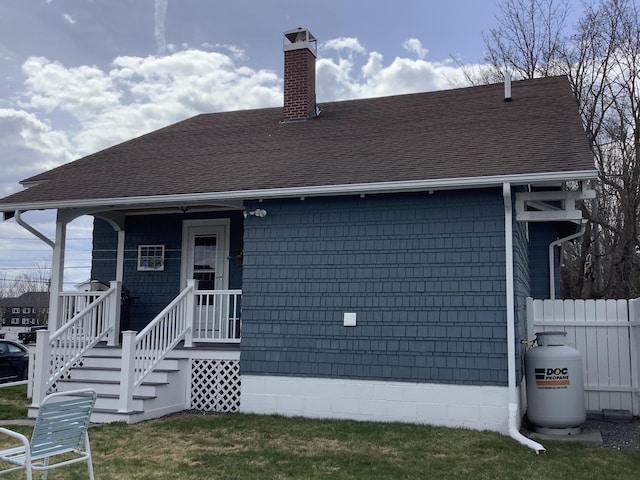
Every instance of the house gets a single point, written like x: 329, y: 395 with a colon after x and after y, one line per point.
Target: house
x: 365, y: 259
x: 29, y: 309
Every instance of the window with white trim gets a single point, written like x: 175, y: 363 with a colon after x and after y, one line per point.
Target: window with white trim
x: 150, y: 258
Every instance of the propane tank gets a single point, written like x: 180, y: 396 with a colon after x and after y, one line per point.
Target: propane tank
x: 555, y: 386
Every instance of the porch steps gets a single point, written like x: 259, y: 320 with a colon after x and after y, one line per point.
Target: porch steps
x: 161, y: 393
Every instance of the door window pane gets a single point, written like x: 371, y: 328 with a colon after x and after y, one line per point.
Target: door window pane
x: 204, y: 261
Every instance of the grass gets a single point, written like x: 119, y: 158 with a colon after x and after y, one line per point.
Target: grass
x: 13, y: 402
x: 241, y: 446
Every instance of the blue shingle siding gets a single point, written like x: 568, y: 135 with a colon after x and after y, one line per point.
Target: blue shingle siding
x: 103, y: 261
x: 424, y: 274
x: 151, y: 291
x: 542, y: 234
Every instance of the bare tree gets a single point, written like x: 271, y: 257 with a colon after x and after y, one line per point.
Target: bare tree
x: 36, y: 279
x: 602, y: 60
x: 604, y: 68
x: 528, y: 41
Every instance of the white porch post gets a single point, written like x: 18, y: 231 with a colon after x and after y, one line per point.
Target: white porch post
x: 127, y: 371
x: 114, y: 314
x: 192, y: 285
x: 57, y: 274
x: 41, y: 370
x: 120, y: 257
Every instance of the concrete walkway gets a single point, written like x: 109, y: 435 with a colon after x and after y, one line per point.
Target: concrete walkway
x: 588, y: 437
x: 29, y: 422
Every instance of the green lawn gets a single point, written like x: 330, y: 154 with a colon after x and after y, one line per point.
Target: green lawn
x: 240, y: 446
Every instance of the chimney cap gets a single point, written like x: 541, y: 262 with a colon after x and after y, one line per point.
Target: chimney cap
x: 300, y: 38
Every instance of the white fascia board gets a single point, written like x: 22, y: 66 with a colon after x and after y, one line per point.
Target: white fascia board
x: 550, y: 216
x: 312, y: 191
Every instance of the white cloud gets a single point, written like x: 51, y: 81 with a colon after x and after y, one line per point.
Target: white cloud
x: 74, y: 111
x: 160, y: 15
x: 69, y: 19
x: 83, y: 91
x: 66, y: 112
x: 415, y: 46
x: 236, y: 52
x: 29, y: 146
x: 139, y: 94
x: 349, y: 44
x: 339, y: 79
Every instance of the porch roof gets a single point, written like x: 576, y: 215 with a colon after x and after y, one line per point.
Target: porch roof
x: 445, y: 139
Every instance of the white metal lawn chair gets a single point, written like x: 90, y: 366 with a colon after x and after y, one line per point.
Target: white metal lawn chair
x: 60, y: 428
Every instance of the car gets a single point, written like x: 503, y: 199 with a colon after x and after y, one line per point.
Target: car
x: 14, y: 361
x: 30, y: 336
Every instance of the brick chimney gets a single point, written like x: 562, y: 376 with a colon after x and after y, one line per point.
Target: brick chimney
x: 300, y: 50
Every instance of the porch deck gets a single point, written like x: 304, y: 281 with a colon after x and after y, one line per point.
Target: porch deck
x: 186, y: 354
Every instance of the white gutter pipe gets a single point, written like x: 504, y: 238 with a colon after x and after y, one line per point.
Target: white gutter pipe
x: 552, y: 267
x: 32, y: 230
x: 514, y: 432
x: 292, y: 192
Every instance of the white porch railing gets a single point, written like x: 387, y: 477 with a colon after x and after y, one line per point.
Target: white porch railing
x: 71, y: 303
x: 141, y: 353
x: 217, y: 316
x: 58, y: 352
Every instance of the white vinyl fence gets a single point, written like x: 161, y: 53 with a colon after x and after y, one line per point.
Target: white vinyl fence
x: 607, y: 334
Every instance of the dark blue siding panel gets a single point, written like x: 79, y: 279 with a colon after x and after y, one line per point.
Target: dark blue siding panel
x: 105, y: 242
x: 424, y: 274
x: 150, y: 292
x: 542, y: 234
x: 522, y: 290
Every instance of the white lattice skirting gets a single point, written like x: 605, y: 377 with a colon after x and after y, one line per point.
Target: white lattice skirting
x: 215, y: 385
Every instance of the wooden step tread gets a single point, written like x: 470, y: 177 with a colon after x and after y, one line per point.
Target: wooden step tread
x: 109, y: 382
x: 116, y: 369
x: 135, y: 397
x: 112, y: 411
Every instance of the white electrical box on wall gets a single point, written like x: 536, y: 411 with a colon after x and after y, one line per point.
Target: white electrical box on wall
x: 350, y: 319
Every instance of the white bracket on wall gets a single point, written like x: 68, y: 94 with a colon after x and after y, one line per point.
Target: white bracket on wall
x: 535, y: 206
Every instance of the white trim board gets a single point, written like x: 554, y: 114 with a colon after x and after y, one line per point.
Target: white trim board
x: 468, y: 406
x: 291, y: 192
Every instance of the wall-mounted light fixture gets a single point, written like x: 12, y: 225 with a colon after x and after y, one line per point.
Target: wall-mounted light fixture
x: 258, y: 212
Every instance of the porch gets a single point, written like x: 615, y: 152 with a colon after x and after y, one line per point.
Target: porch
x: 187, y: 357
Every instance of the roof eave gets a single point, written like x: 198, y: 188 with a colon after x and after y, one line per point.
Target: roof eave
x: 309, y: 191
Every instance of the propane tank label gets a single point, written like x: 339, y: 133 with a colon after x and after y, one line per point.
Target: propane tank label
x: 550, y: 378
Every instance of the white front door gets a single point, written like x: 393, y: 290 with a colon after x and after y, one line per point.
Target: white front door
x: 205, y: 247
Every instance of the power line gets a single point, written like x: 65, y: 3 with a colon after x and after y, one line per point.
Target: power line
x: 67, y: 267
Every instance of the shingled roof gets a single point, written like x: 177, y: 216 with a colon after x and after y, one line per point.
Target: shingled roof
x: 443, y: 139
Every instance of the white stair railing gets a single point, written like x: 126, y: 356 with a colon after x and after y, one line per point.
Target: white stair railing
x: 58, y: 352
x: 141, y: 353
x: 217, y: 316
x: 72, y: 303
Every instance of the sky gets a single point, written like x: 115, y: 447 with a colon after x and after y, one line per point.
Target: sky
x: 78, y: 76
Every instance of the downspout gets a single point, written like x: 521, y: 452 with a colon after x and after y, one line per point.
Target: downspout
x: 32, y: 230
x: 552, y: 268
x: 514, y: 432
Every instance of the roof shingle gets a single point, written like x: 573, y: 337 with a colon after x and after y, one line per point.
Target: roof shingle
x: 452, y: 134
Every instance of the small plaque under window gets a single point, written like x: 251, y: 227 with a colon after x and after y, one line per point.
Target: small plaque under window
x: 150, y: 257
